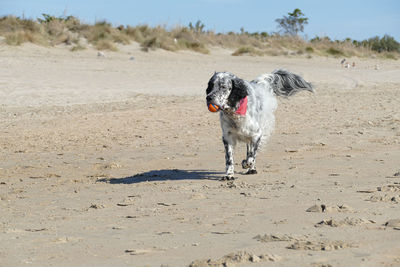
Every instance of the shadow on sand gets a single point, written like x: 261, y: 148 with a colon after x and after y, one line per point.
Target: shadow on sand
x: 164, y: 175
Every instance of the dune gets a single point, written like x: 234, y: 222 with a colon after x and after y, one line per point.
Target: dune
x: 113, y: 158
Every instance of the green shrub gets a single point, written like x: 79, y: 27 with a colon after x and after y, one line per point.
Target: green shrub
x: 247, y: 50
x: 334, y: 52
x: 15, y: 38
x: 151, y: 43
x: 198, y: 47
x: 391, y: 56
x: 309, y: 49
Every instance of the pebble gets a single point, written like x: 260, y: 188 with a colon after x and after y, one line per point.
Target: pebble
x: 395, y: 223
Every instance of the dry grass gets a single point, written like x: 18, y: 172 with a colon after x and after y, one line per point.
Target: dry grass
x: 78, y: 47
x: 102, y: 35
x: 247, y: 50
x: 105, y: 45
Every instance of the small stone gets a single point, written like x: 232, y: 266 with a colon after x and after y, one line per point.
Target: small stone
x: 345, y: 208
x: 315, y: 208
x: 96, y: 206
x: 255, y: 258
x: 395, y: 223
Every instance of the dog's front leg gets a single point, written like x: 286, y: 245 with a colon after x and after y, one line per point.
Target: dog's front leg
x: 228, y: 160
x: 250, y: 161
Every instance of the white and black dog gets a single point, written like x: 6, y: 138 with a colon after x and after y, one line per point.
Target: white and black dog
x: 247, y: 110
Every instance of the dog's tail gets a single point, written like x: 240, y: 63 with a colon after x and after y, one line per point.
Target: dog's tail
x: 285, y: 83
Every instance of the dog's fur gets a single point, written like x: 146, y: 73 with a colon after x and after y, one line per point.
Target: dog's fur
x: 226, y: 90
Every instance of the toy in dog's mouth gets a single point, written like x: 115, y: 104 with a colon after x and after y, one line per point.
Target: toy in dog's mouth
x: 213, y: 107
x: 241, y: 110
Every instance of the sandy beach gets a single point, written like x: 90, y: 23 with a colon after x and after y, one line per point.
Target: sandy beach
x: 115, y: 160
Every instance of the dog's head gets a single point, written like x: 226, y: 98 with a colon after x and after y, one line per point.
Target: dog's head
x: 226, y: 90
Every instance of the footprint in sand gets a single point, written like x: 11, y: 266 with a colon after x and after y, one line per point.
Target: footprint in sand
x: 143, y: 251
x: 345, y: 222
x: 385, y: 198
x: 326, y: 208
x: 386, y: 193
x: 319, y: 245
x: 233, y: 259
x: 303, y: 242
x: 278, y: 237
x: 389, y: 188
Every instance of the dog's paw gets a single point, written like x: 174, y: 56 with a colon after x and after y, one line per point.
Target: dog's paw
x: 251, y: 171
x: 245, y: 164
x: 228, y: 178
x: 248, y: 163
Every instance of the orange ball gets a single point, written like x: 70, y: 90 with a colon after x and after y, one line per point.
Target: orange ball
x: 213, y: 107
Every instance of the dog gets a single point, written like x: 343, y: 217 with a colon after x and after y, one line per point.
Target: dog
x: 247, y: 110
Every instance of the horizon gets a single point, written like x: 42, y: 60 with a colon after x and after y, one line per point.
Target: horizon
x: 223, y: 16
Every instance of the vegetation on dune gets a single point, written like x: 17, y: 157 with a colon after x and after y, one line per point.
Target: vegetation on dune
x: 249, y: 50
x: 292, y: 24
x: 69, y: 30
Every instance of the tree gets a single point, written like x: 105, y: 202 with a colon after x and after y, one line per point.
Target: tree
x: 293, y: 23
x: 198, y: 27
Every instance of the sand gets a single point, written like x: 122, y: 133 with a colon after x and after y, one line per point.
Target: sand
x: 115, y: 160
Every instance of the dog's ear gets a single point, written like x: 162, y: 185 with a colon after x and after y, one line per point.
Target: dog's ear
x: 239, y: 91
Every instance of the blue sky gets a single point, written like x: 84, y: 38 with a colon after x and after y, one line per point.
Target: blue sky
x: 337, y: 19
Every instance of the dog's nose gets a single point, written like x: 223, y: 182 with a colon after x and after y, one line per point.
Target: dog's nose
x: 208, y: 98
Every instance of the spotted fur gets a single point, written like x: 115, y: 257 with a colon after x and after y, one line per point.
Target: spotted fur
x: 226, y: 90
